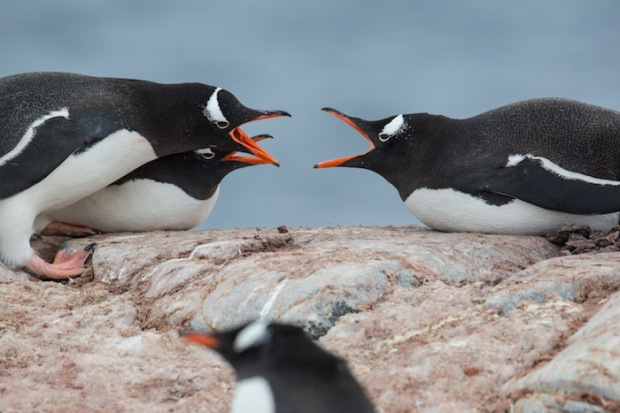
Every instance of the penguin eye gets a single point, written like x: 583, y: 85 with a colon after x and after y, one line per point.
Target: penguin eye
x: 222, y: 124
x: 384, y: 137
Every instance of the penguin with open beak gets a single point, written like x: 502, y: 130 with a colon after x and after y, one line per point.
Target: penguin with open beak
x: 65, y: 136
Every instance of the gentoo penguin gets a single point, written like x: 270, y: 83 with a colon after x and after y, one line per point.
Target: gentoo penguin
x: 525, y: 168
x: 175, y: 192
x: 65, y: 136
x: 280, y: 369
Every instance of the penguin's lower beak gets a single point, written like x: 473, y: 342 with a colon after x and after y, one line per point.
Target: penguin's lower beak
x: 200, y: 338
x: 251, y: 160
x: 239, y: 136
x: 347, y: 119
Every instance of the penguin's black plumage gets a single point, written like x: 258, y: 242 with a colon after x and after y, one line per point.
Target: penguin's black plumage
x: 279, y: 369
x: 175, y: 192
x: 524, y: 168
x: 65, y: 136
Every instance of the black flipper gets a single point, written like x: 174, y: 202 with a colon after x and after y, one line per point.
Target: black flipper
x: 52, y: 143
x: 531, y: 182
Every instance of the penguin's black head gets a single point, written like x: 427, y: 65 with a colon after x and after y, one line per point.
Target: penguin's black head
x: 258, y: 344
x: 224, y: 113
x: 214, y: 156
x: 384, y: 135
x: 210, y: 165
x: 395, y: 142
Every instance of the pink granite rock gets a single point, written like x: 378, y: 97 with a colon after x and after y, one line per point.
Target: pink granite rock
x: 428, y: 321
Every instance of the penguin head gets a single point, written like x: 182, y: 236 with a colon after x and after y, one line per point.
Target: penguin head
x: 254, y: 346
x: 209, y: 166
x: 395, y: 144
x: 226, y: 114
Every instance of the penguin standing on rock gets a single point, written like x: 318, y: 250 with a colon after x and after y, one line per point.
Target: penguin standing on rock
x: 65, y: 136
x: 525, y: 168
x: 176, y: 192
x: 280, y: 369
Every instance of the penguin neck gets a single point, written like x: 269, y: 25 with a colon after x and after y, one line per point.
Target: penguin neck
x: 421, y: 154
x: 177, y: 123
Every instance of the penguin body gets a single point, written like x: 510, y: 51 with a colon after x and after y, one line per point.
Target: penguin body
x: 175, y: 192
x: 524, y: 168
x: 279, y: 368
x: 65, y: 136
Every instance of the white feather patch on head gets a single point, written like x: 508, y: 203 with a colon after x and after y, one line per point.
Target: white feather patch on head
x: 394, y: 126
x: 29, y: 135
x: 212, y: 111
x: 205, y: 153
x: 514, y: 160
x: 252, y: 335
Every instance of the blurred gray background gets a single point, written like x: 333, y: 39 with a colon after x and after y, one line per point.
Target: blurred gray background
x: 371, y: 59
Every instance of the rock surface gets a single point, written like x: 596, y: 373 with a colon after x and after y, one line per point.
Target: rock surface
x: 428, y: 321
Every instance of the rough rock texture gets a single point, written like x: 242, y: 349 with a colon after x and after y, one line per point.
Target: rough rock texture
x: 428, y: 321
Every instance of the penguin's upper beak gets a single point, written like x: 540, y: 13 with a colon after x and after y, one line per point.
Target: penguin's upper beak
x: 200, y: 338
x: 251, y: 160
x: 239, y: 136
x: 355, y: 123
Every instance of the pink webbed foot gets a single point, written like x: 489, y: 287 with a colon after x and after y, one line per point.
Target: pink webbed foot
x: 64, y: 265
x: 70, y: 230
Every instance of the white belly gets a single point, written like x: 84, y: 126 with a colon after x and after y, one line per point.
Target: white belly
x: 453, y: 211
x: 85, y: 173
x: 138, y: 205
x: 253, y: 395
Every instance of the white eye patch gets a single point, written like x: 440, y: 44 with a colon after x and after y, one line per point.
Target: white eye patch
x: 213, y: 112
x: 252, y: 335
x: 392, y: 128
x: 205, y: 153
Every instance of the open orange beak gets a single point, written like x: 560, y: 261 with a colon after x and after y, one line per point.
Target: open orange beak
x: 239, y: 136
x: 251, y: 160
x: 348, y: 120
x: 242, y: 138
x: 200, y: 338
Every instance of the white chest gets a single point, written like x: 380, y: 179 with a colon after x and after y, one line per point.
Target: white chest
x: 85, y: 173
x: 454, y: 211
x: 253, y: 395
x: 138, y: 205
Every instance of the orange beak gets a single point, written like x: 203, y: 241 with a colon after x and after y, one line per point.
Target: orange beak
x: 340, y: 161
x: 251, y: 160
x: 239, y: 136
x: 200, y: 338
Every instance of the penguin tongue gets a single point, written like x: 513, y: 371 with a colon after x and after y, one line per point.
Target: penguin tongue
x: 239, y: 136
x: 201, y: 338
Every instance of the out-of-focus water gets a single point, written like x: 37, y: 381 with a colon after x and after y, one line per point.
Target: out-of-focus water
x: 368, y: 58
